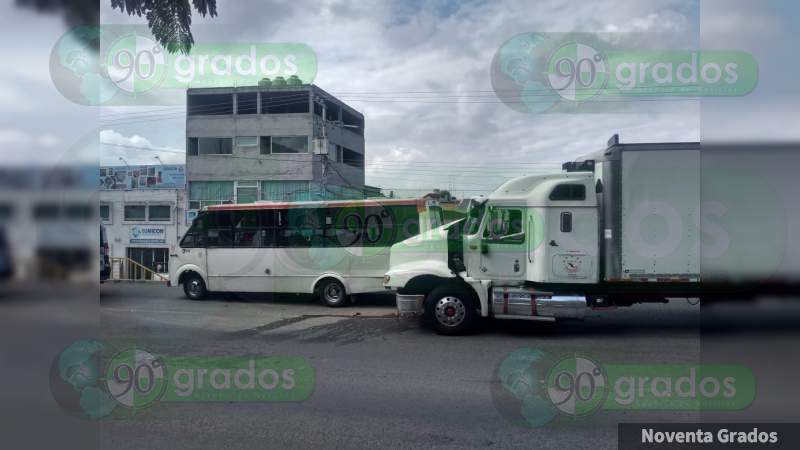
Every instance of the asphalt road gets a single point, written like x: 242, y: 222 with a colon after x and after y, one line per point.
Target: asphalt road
x: 390, y: 383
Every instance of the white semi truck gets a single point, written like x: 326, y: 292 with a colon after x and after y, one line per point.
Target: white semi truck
x: 632, y: 223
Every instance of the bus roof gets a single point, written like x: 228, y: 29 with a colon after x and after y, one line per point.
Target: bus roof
x: 317, y: 204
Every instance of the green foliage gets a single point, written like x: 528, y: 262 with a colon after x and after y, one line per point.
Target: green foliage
x: 169, y: 20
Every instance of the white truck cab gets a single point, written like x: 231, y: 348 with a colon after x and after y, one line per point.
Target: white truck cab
x: 533, y: 230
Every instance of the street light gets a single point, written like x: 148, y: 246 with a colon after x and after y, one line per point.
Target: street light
x: 159, y: 160
x: 124, y: 162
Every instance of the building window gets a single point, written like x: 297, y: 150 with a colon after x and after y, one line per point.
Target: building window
x: 246, y: 191
x: 159, y: 213
x: 191, y: 146
x: 135, y: 212
x: 206, y: 193
x: 105, y: 213
x: 46, y: 211
x: 6, y: 212
x: 287, y: 191
x: 284, y: 102
x: 246, y: 141
x: 352, y: 158
x: 79, y: 212
x: 290, y: 144
x: 266, y: 145
x: 353, y: 122
x: 247, y: 103
x: 210, y: 146
x: 209, y: 104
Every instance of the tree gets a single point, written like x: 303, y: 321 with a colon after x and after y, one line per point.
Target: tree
x: 169, y: 20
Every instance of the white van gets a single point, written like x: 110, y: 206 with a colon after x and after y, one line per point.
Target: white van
x: 330, y: 248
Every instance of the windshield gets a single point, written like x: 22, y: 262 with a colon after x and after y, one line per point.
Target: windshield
x: 474, y: 217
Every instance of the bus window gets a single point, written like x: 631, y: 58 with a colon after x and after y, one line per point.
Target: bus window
x: 267, y: 224
x: 302, y: 228
x: 245, y: 229
x: 218, y: 226
x: 195, y: 236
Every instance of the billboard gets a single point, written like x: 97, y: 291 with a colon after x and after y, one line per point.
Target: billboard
x: 159, y: 176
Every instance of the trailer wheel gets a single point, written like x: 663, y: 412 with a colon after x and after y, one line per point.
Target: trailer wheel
x: 451, y: 310
x: 194, y: 287
x: 332, y: 293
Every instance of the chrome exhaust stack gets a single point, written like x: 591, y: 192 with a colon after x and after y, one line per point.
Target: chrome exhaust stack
x: 529, y: 304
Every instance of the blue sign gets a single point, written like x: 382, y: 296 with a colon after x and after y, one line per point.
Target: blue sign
x: 148, y: 234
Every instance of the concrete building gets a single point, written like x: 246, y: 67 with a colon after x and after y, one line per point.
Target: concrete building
x: 48, y: 220
x: 143, y: 209
x: 281, y: 143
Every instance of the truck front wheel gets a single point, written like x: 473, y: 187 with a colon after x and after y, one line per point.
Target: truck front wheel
x: 451, y: 310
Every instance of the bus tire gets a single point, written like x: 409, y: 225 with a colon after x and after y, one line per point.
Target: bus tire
x: 332, y: 293
x: 194, y: 287
x: 451, y: 310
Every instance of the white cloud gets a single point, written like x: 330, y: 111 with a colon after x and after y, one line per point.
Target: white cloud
x: 380, y: 51
x: 136, y: 150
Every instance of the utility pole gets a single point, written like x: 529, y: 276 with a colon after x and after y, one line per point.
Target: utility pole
x: 323, y: 185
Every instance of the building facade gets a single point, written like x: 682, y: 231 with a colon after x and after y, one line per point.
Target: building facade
x: 287, y: 143
x: 143, y: 209
x: 48, y: 222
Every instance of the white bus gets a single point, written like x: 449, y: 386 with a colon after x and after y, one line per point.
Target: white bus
x: 328, y: 248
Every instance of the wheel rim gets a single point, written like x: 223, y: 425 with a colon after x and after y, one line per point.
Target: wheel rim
x: 195, y: 288
x: 450, y: 311
x: 333, y: 293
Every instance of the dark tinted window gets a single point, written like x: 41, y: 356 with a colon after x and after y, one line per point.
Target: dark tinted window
x: 218, y: 228
x: 284, y: 102
x: 210, y: 104
x: 159, y: 212
x: 79, y: 212
x: 300, y: 227
x: 568, y: 192
x: 246, y: 232
x: 247, y: 103
x: 46, y: 211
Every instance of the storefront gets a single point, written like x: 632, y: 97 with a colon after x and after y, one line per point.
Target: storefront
x: 143, y: 223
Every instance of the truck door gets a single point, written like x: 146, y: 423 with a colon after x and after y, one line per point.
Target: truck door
x: 503, y: 249
x: 572, y: 244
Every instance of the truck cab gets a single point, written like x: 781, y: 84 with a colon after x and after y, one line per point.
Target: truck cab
x: 513, y: 256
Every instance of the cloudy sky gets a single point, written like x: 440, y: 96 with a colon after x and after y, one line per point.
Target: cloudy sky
x: 392, y: 49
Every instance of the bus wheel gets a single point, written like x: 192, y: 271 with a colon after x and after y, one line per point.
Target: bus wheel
x: 332, y: 292
x: 451, y: 310
x: 194, y: 287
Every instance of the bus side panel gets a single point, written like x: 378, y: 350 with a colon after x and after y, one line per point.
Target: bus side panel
x: 240, y: 269
x: 296, y: 268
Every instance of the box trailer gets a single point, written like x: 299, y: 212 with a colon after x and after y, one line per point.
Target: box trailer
x: 632, y: 223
